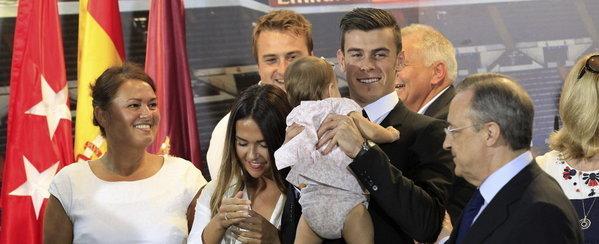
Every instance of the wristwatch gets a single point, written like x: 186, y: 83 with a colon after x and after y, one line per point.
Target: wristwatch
x: 364, y: 148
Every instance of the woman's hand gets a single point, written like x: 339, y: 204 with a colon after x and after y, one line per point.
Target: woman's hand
x: 232, y: 211
x: 256, y: 229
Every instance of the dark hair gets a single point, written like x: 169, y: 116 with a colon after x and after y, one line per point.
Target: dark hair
x: 109, y: 82
x: 282, y: 20
x: 367, y: 19
x: 499, y: 98
x: 267, y: 105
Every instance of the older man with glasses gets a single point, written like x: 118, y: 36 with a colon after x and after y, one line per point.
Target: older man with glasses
x: 489, y: 136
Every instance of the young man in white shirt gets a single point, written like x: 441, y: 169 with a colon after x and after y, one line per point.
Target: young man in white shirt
x: 279, y: 37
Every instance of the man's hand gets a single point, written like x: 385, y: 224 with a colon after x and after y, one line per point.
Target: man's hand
x: 339, y: 130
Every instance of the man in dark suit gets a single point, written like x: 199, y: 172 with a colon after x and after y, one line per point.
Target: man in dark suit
x: 426, y: 71
x: 408, y: 193
x: 489, y: 136
x: 424, y: 82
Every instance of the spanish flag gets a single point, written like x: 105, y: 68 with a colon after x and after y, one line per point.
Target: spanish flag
x: 100, y: 47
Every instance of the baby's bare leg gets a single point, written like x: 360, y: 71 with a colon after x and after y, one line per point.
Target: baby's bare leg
x: 358, y: 226
x: 304, y: 234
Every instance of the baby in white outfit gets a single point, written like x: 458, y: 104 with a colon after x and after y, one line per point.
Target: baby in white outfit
x: 333, y: 202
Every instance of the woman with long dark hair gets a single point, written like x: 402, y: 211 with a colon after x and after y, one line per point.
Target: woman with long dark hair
x: 245, y: 202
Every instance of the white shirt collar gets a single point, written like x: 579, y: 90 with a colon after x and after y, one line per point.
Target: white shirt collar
x: 379, y: 109
x: 428, y: 104
x: 498, y: 179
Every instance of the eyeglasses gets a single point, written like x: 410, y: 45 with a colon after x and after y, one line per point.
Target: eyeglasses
x: 591, y: 65
x: 450, y: 131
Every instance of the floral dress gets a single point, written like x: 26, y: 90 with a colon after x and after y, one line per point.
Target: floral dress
x: 581, y: 187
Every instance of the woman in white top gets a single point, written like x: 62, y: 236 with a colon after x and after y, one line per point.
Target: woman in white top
x: 245, y: 202
x: 129, y: 195
x: 574, y: 161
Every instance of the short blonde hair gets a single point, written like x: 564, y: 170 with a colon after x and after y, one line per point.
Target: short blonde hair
x: 579, y: 111
x: 433, y: 46
x: 282, y: 20
x: 307, y: 79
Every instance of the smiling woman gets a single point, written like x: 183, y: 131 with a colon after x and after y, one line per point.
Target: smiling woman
x: 128, y: 195
x: 245, y: 203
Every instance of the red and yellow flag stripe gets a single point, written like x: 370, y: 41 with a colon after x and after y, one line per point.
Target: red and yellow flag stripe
x: 100, y: 47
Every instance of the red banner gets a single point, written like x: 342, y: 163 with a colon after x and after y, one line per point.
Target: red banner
x: 39, y: 140
x: 166, y: 63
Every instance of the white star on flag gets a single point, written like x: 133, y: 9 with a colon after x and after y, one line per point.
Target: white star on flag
x: 36, y: 185
x: 53, y: 105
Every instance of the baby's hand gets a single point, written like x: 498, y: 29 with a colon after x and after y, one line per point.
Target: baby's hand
x: 384, y: 135
x: 292, y: 131
x: 373, y: 131
x: 394, y: 133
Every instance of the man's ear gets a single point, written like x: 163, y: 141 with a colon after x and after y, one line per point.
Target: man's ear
x: 492, y: 133
x: 401, y: 57
x: 341, y: 59
x: 439, y: 73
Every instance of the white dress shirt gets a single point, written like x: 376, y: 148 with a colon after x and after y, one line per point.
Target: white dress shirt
x: 428, y: 104
x: 214, y: 156
x: 496, y: 181
x: 379, y: 109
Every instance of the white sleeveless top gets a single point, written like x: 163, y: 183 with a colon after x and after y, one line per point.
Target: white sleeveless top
x: 151, y: 210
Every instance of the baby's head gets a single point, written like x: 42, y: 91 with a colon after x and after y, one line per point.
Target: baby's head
x: 310, y: 78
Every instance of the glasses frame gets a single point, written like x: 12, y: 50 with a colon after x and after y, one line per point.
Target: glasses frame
x: 450, y: 131
x: 592, y: 65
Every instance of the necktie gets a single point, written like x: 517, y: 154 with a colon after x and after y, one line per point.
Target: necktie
x: 468, y: 214
x: 365, y: 114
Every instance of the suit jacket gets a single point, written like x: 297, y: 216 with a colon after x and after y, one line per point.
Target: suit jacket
x: 440, y: 107
x: 461, y: 190
x: 292, y: 211
x: 530, y: 208
x: 410, y: 181
x: 407, y: 193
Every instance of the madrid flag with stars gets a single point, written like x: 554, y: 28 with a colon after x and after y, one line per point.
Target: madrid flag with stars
x: 39, y: 121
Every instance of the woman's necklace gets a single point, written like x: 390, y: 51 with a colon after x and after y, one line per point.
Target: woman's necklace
x: 585, y: 222
x: 589, y: 180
